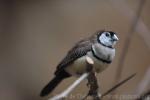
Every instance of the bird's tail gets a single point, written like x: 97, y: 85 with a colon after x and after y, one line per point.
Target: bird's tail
x: 51, y: 85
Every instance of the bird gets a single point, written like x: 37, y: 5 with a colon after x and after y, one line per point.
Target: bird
x: 100, y: 47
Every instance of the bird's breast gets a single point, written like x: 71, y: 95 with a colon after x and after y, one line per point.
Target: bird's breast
x: 99, y: 65
x: 79, y: 66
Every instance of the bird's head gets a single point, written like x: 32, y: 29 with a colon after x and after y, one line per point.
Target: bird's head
x: 107, y: 38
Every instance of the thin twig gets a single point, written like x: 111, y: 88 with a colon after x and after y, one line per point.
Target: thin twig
x: 117, y: 85
x: 94, y: 88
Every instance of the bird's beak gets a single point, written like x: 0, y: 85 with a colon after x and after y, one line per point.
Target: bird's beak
x: 115, y: 38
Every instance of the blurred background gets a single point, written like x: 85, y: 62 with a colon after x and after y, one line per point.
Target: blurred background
x: 36, y: 34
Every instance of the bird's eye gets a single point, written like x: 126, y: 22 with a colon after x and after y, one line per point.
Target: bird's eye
x: 107, y: 34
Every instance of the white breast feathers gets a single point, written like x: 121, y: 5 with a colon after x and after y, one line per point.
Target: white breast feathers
x: 103, y: 52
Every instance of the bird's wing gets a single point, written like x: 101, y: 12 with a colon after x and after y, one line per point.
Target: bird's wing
x: 79, y: 50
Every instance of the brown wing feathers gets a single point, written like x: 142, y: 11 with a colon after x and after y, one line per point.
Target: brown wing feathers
x: 79, y: 50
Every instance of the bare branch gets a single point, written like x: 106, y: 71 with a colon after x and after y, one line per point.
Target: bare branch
x: 117, y: 85
x: 94, y: 88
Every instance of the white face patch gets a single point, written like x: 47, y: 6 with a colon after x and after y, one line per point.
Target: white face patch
x: 107, y: 40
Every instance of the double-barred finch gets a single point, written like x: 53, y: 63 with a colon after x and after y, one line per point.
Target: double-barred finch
x: 99, y: 47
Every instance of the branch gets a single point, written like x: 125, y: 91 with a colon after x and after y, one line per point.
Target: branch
x: 94, y: 88
x: 117, y: 85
